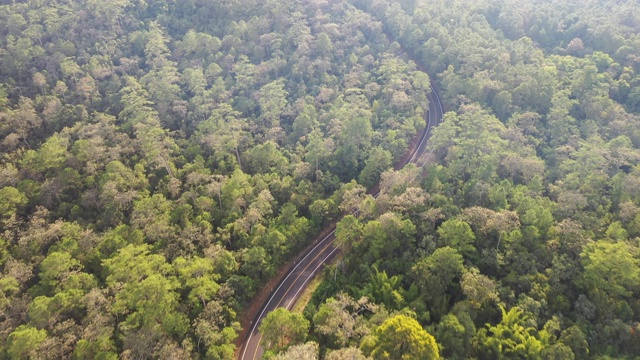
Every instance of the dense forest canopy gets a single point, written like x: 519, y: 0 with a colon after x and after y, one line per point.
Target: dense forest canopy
x: 160, y: 160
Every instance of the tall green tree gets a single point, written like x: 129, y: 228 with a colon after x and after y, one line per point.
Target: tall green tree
x: 400, y: 337
x: 23, y: 342
x: 458, y: 235
x: 512, y: 338
x: 611, y: 277
x: 436, y: 277
x: 282, y: 328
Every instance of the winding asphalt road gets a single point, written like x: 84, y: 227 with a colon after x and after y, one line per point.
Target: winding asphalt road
x: 303, y: 271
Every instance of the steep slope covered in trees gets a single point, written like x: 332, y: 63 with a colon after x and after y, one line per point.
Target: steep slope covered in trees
x: 520, y: 238
x: 161, y: 159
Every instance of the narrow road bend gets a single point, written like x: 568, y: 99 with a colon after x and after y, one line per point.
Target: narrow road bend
x: 298, y: 277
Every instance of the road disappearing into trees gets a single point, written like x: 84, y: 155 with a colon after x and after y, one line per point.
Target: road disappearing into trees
x: 302, y: 272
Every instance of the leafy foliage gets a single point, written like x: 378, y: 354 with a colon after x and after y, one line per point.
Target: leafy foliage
x: 401, y: 337
x: 524, y: 241
x: 161, y: 160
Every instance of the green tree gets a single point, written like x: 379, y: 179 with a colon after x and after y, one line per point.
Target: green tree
x: 348, y: 233
x: 455, y: 335
x: 225, y: 132
x: 479, y: 289
x: 457, y: 234
x: 146, y: 296
x: 512, y: 338
x: 119, y: 187
x: 282, y: 328
x: 303, y: 125
x: 256, y: 263
x: 266, y: 158
x: 11, y: 199
x: 379, y: 160
x: 272, y: 100
x: 56, y: 268
x: 161, y: 81
x: 152, y: 216
x: 308, y: 351
x: 575, y: 339
x: 353, y: 144
x: 384, y: 289
x: 318, y: 149
x: 47, y: 312
x: 151, y: 304
x: 49, y: 158
x: 611, y: 276
x: 435, y: 277
x: 400, y: 337
x: 197, y: 276
x: 23, y: 342
x: 324, y: 44
x: 341, y: 318
x: 133, y: 263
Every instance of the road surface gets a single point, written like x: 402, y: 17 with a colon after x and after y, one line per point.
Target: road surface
x: 288, y: 290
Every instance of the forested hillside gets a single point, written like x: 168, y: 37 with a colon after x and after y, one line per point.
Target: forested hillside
x: 520, y: 238
x: 160, y: 160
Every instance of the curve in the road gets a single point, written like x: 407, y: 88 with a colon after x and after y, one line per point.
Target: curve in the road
x: 324, y: 251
